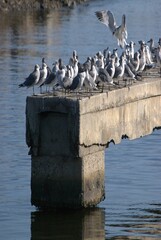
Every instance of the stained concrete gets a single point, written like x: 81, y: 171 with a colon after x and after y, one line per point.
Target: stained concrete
x: 67, y: 137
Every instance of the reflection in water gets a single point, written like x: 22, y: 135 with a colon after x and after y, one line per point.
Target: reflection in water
x: 68, y: 225
x: 22, y: 33
x: 91, y: 224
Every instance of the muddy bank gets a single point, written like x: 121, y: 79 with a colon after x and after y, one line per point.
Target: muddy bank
x: 14, y: 5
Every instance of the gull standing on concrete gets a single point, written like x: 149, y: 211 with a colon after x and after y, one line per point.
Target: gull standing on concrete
x: 136, y: 61
x: 111, y: 67
x: 158, y: 57
x: 120, y: 32
x: 100, y: 60
x: 89, y: 81
x: 68, y: 79
x: 93, y: 71
x: 151, y: 45
x: 78, y: 81
x: 32, y: 79
x: 43, y: 75
x: 73, y: 58
x: 142, y: 56
x: 119, y: 71
x: 51, y: 80
x: 131, y: 49
x: 104, y: 76
x: 48, y: 68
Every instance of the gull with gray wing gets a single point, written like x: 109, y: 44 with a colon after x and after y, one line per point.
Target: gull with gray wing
x: 32, y: 79
x: 120, y: 32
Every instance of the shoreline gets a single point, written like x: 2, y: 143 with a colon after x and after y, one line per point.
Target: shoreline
x: 35, y: 5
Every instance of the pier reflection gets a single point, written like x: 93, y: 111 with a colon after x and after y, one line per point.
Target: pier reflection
x: 76, y: 224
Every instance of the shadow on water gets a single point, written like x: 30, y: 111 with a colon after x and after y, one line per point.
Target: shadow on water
x: 90, y: 224
x: 73, y: 225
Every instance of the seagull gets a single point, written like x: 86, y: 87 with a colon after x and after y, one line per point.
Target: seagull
x: 158, y: 57
x: 142, y: 63
x: 111, y: 67
x: 48, y: 68
x: 89, y: 81
x: 100, y: 60
x: 68, y: 79
x: 51, y: 80
x: 136, y: 61
x: 43, y: 75
x: 73, y: 58
x: 119, y: 71
x: 120, y: 32
x: 151, y: 45
x: 104, y: 76
x: 78, y: 81
x: 93, y: 71
x: 131, y: 49
x: 32, y: 79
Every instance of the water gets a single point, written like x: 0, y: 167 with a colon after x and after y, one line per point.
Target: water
x: 132, y: 208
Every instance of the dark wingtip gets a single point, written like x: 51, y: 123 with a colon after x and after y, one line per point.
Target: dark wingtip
x: 98, y: 15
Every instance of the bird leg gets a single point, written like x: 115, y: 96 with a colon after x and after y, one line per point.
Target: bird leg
x: 33, y: 91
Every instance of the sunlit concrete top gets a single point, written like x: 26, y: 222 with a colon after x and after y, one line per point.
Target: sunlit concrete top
x: 88, y: 122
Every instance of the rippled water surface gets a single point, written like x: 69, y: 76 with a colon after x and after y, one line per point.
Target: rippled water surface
x: 132, y: 208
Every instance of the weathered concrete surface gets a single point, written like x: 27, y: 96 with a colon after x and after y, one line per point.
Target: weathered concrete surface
x: 67, y: 138
x: 17, y: 5
x: 132, y: 112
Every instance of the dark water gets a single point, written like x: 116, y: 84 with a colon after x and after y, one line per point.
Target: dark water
x: 132, y: 208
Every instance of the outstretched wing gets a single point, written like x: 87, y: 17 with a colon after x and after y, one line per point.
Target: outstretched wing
x: 103, y: 17
x: 107, y: 18
x: 112, y: 22
x: 123, y: 26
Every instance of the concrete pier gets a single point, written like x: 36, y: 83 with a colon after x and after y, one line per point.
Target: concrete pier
x: 67, y: 136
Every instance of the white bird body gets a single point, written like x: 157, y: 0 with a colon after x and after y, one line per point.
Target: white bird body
x: 111, y: 67
x: 43, y: 74
x: 73, y: 58
x: 142, y: 59
x: 131, y: 49
x: 75, y: 68
x: 136, y: 61
x: 51, y: 80
x: 89, y: 81
x: 60, y: 76
x: 93, y: 72
x: 67, y: 79
x: 158, y: 56
x: 148, y: 55
x: 120, y: 32
x: 119, y: 71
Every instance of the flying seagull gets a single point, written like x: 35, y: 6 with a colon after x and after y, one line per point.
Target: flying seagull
x: 120, y: 32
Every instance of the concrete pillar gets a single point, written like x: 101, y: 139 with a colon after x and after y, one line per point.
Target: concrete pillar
x: 61, y: 175
x: 67, y: 138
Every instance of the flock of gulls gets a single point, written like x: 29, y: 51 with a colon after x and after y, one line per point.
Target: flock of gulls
x: 105, y: 68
